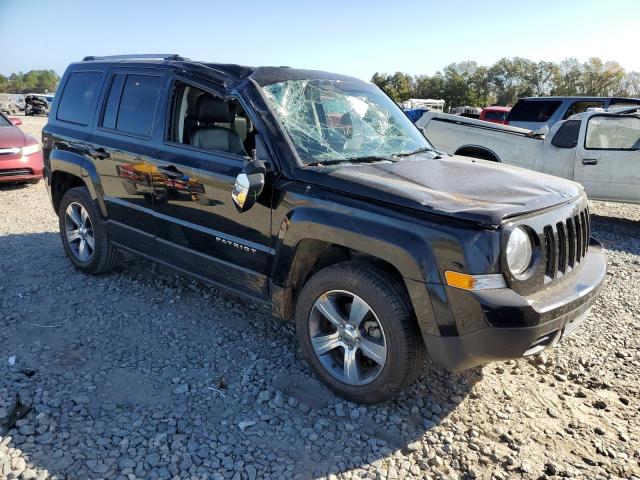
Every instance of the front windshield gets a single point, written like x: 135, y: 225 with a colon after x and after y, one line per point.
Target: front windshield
x: 331, y: 121
x: 4, y: 122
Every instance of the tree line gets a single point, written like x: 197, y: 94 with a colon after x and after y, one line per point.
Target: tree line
x: 467, y: 83
x: 34, y: 81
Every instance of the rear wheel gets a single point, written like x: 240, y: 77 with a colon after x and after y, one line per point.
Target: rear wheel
x: 84, y: 235
x: 357, y: 332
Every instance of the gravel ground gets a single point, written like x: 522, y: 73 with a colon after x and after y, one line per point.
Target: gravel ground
x: 144, y: 374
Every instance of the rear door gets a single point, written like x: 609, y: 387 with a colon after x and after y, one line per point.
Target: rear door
x: 608, y: 157
x: 198, y: 226
x: 122, y: 145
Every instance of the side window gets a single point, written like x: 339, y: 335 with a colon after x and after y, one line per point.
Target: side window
x: 208, y: 122
x: 76, y: 101
x: 579, y: 107
x: 613, y: 132
x: 567, y: 135
x: 131, y: 104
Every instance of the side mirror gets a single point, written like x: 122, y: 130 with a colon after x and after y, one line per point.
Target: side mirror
x: 249, y: 185
x: 16, y: 121
x: 541, y: 132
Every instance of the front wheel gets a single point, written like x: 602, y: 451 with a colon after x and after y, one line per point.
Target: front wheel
x: 357, y: 332
x: 84, y: 234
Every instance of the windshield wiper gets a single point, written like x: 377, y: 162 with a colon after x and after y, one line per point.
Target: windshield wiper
x: 367, y: 159
x: 420, y: 150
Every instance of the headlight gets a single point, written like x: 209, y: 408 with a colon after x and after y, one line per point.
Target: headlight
x: 30, y: 149
x: 519, y: 251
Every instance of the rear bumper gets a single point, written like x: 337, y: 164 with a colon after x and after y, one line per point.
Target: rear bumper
x: 546, y: 318
x: 21, y: 169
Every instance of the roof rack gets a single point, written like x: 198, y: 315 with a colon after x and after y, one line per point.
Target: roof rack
x: 159, y: 56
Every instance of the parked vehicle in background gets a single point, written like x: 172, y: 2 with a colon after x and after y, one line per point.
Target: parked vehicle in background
x: 36, y: 105
x: 535, y: 112
x: 20, y: 154
x: 314, y: 192
x: 415, y: 113
x: 467, y: 112
x: 494, y: 114
x: 9, y: 104
x: 599, y: 149
x: 430, y: 104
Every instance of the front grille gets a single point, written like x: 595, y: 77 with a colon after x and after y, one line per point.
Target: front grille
x: 560, y: 237
x: 565, y: 244
x: 15, y: 172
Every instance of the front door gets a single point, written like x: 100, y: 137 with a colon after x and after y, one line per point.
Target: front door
x: 608, y: 160
x: 198, y: 226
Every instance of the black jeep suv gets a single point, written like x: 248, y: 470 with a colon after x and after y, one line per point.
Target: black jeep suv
x: 314, y: 192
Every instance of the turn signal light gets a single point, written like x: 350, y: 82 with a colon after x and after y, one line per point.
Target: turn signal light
x: 474, y: 282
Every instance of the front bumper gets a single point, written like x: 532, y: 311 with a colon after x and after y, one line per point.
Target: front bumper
x: 517, y: 326
x: 21, y: 168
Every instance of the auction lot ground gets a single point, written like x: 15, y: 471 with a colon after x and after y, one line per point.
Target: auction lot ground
x: 144, y: 374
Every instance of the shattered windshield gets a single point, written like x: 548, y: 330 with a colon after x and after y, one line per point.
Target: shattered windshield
x: 331, y: 121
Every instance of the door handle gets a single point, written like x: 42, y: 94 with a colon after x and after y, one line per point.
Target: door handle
x: 589, y: 161
x: 98, y: 153
x: 171, y: 171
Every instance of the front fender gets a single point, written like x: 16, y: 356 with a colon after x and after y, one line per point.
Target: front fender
x: 379, y: 236
x: 374, y: 235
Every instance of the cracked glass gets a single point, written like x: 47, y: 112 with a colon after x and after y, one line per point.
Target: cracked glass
x: 334, y: 121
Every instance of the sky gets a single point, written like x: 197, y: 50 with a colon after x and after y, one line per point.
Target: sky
x: 355, y: 38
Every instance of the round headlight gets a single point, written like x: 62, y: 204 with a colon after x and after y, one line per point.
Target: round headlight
x: 519, y: 251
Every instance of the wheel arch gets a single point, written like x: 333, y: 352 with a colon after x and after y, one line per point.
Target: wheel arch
x: 478, y: 151
x: 70, y: 170
x: 304, y: 249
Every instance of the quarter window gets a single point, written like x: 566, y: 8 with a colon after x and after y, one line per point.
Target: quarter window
x: 613, y: 133
x: 77, y: 98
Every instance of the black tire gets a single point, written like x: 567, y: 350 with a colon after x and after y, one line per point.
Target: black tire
x: 390, y: 304
x: 105, y: 256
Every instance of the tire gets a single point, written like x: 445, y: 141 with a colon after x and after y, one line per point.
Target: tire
x: 396, y: 330
x: 104, y: 256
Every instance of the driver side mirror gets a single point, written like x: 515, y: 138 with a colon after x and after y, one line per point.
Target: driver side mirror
x: 16, y: 121
x: 249, y: 185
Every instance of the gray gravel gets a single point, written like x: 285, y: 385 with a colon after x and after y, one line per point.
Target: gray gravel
x: 144, y: 374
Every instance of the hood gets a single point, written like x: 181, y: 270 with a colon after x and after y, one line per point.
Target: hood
x: 11, y: 137
x: 461, y: 187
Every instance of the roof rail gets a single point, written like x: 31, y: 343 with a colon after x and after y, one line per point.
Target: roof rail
x: 159, y: 56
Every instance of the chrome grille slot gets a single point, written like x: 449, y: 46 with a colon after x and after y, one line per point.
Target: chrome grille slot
x: 578, y: 225
x: 550, y: 246
x: 563, y: 246
x: 571, y: 240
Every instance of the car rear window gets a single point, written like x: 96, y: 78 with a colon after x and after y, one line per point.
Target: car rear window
x: 76, y: 101
x: 533, y: 110
x: 495, y: 115
x: 131, y: 104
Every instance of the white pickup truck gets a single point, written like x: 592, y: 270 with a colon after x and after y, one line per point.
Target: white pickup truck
x: 599, y: 149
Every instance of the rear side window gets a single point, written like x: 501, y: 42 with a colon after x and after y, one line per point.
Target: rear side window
x: 567, y: 135
x: 131, y: 104
x: 533, y: 111
x: 77, y: 98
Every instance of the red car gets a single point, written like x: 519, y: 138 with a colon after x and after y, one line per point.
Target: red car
x: 495, y: 114
x: 20, y: 154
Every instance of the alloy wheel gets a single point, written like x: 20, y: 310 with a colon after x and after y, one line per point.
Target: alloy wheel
x: 347, y: 337
x: 79, y: 232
